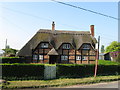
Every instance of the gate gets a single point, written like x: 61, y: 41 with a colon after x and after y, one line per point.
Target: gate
x: 50, y: 72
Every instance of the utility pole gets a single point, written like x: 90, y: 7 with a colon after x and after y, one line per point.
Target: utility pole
x: 98, y: 46
x: 97, y: 57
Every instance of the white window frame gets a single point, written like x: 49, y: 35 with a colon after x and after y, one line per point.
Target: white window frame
x: 66, y: 46
x: 40, y: 57
x: 64, y: 57
x: 44, y: 45
x: 78, y: 57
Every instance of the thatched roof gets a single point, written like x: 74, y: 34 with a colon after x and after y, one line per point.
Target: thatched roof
x: 56, y: 38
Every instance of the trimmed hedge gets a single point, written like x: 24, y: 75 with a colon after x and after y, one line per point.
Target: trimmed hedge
x: 12, y: 60
x: 74, y: 71
x: 23, y: 72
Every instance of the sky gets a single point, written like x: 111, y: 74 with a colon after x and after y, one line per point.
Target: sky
x: 19, y: 21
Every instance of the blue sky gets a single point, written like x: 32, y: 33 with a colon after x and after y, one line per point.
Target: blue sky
x: 19, y: 21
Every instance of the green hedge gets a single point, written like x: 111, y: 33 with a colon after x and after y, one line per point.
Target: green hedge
x: 22, y: 71
x: 75, y: 71
x: 108, y: 70
x: 12, y: 60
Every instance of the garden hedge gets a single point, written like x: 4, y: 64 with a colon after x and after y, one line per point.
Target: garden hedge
x: 75, y: 71
x: 12, y: 60
x: 36, y: 71
x: 22, y: 72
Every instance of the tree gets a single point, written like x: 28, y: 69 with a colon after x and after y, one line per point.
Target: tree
x: 8, y: 51
x: 114, y: 46
x: 102, y: 49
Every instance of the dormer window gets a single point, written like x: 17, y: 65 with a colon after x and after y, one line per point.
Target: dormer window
x: 44, y: 45
x: 66, y: 46
x: 86, y: 46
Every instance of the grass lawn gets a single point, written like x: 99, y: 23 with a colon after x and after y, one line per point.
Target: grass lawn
x: 105, y: 62
x: 59, y: 82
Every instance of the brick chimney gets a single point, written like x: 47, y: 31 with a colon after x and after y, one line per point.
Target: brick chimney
x: 92, y: 30
x: 53, y: 26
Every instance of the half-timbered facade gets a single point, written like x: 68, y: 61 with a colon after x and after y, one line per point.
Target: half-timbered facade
x: 59, y: 46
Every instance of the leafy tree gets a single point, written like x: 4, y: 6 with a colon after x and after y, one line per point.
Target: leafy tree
x: 114, y: 46
x: 8, y: 51
x: 102, y: 49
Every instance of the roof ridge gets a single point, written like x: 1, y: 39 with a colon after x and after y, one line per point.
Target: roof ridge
x: 64, y: 32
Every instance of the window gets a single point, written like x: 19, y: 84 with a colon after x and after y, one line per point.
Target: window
x: 66, y: 46
x: 35, y: 57
x: 84, y: 58
x: 64, y: 57
x: 78, y: 57
x: 86, y: 47
x: 40, y: 57
x: 44, y: 45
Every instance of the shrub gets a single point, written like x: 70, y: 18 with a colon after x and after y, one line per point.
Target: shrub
x: 105, y: 62
x: 22, y: 71
x: 108, y: 69
x: 75, y: 71
x: 12, y: 60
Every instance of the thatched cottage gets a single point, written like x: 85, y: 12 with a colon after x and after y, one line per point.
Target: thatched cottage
x: 59, y: 46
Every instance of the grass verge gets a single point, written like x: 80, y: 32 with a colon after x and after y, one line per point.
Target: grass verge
x: 58, y: 82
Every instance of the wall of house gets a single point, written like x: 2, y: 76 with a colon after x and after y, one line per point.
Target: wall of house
x: 88, y: 55
x: 42, y: 51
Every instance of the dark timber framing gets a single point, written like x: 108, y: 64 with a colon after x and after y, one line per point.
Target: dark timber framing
x: 75, y: 56
x: 65, y: 52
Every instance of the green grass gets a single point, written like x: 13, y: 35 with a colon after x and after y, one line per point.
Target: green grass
x: 104, y: 62
x: 59, y: 82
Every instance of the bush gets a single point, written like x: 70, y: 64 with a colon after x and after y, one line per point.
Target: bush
x: 75, y: 71
x: 12, y: 60
x: 105, y: 62
x: 108, y: 70
x: 22, y: 71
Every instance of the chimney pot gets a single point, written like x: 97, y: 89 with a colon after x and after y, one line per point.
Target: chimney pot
x: 53, y: 26
x: 92, y: 30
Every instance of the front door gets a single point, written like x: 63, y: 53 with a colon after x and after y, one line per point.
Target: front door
x: 52, y: 59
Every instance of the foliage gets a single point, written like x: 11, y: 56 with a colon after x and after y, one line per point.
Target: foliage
x: 22, y: 71
x: 114, y: 46
x: 27, y: 71
x: 85, y: 70
x: 8, y: 51
x: 58, y: 82
x: 105, y: 62
x: 102, y: 49
x: 12, y: 60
